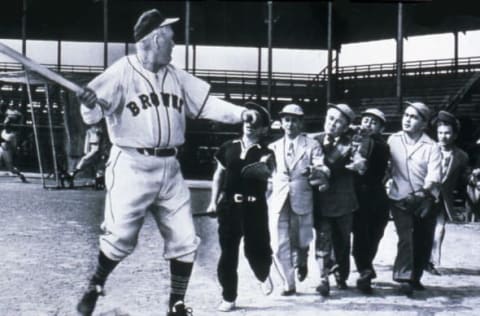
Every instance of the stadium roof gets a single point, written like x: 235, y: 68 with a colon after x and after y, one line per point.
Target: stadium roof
x: 298, y: 24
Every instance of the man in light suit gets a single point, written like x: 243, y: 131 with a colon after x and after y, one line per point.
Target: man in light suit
x: 291, y: 201
x: 454, y: 175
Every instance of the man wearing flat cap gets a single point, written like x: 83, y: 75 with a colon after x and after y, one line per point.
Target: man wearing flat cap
x: 455, y: 173
x: 239, y: 200
x: 291, y: 200
x: 145, y: 101
x: 371, y: 218
x: 334, y: 207
x: 415, y: 170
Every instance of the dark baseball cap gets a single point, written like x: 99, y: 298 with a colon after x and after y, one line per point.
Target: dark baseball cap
x: 447, y: 118
x: 149, y: 21
x: 264, y: 114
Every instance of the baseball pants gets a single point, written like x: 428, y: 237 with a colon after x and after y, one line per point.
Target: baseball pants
x: 135, y: 184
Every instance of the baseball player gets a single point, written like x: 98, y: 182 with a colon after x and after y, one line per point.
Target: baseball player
x: 9, y: 139
x: 93, y: 139
x: 145, y: 101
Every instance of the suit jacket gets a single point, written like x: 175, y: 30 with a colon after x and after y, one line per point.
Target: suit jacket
x: 457, y: 171
x: 289, y: 181
x: 340, y: 198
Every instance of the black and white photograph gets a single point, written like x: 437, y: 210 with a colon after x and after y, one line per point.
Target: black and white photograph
x: 243, y: 158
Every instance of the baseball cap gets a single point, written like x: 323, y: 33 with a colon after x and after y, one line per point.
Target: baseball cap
x: 421, y: 108
x: 265, y: 116
x: 292, y: 109
x: 345, y: 110
x: 376, y: 113
x: 149, y: 21
x: 449, y: 118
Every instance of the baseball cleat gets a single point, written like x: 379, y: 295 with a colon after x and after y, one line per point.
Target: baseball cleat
x: 87, y: 304
x: 179, y: 309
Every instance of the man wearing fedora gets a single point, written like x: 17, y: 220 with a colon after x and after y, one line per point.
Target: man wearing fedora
x: 371, y: 218
x: 334, y: 206
x: 455, y: 173
x: 291, y: 200
x: 145, y: 101
x: 415, y: 170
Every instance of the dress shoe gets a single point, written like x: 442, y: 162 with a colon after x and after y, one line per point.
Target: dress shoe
x: 364, y: 285
x: 302, y: 272
x: 324, y: 287
x: 288, y: 292
x: 430, y: 268
x: 406, y: 288
x: 418, y: 286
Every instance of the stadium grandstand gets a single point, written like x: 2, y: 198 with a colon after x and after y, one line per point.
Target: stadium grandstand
x: 451, y: 84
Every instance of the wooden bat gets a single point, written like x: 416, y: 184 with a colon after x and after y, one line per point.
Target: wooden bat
x: 45, y: 72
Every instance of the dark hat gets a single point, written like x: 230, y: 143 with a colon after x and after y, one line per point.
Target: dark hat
x: 422, y: 109
x: 291, y: 109
x: 345, y: 110
x: 376, y: 113
x: 447, y: 118
x: 149, y: 21
x: 265, y: 116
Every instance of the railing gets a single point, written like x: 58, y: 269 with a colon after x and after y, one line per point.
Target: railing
x: 420, y: 67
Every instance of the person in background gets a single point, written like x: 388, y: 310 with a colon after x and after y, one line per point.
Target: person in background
x: 455, y: 173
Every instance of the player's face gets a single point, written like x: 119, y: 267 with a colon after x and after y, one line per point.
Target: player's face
x: 164, y: 44
x: 371, y: 125
x: 412, y: 122
x: 253, y: 130
x: 292, y: 125
x: 335, y: 122
x: 445, y: 135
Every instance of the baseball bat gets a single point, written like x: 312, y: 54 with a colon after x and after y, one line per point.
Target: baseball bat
x: 45, y: 72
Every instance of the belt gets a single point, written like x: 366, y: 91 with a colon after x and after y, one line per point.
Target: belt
x: 158, y: 152
x: 240, y: 198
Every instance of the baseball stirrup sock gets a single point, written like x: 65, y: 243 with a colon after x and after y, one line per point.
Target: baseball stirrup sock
x: 104, y: 267
x: 180, y: 275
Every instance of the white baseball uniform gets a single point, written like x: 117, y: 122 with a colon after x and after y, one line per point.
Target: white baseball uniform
x: 148, y: 110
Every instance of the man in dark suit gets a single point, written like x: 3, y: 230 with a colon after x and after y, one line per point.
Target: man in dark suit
x: 334, y: 207
x: 371, y: 218
x: 454, y: 175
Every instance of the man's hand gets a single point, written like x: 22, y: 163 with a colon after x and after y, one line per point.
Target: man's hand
x: 212, y: 209
x: 87, y: 97
x: 250, y: 116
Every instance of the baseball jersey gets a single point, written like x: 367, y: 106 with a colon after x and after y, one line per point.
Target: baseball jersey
x: 149, y: 109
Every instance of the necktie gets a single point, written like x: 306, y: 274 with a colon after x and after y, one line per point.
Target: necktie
x: 446, y: 162
x: 290, y: 154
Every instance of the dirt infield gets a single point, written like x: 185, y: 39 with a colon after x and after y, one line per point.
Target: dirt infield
x: 48, y: 246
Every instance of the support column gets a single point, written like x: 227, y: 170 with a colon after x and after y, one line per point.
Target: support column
x: 270, y: 35
x: 194, y: 58
x: 329, y: 47
x: 59, y: 55
x: 105, y: 34
x: 399, y: 93
x: 24, y: 28
x: 259, y: 74
x: 187, y: 33
x: 455, y: 50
